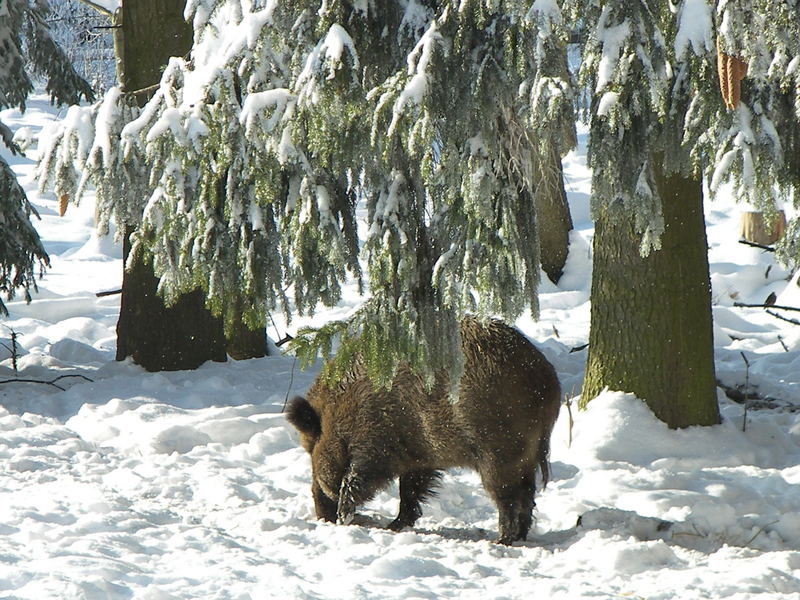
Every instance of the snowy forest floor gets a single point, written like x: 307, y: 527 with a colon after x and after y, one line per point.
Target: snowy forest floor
x: 192, y: 485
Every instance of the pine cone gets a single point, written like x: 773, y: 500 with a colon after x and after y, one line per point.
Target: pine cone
x: 62, y: 204
x: 732, y: 70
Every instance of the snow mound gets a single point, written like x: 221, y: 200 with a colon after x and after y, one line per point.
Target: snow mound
x: 706, y: 487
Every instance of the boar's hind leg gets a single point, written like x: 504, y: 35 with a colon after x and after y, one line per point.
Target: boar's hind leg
x: 415, y: 488
x: 514, y: 502
x: 526, y: 491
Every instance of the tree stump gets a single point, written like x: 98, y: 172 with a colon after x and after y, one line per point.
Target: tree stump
x: 754, y: 228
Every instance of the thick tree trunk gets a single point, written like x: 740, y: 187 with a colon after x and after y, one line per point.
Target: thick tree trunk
x: 553, y: 218
x: 155, y: 336
x: 147, y: 34
x: 161, y: 338
x: 651, y: 323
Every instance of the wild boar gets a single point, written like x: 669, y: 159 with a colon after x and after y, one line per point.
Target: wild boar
x: 361, y: 437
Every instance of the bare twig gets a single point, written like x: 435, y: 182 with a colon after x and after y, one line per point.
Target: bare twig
x: 578, y: 348
x: 51, y: 382
x: 108, y: 293
x: 568, y: 402
x: 759, y: 532
x: 782, y: 318
x: 14, y: 349
x: 746, y: 389
x: 280, y: 340
x: 755, y: 245
x: 785, y: 347
x: 778, y: 306
x: 143, y: 91
x: 277, y: 331
x: 289, y: 389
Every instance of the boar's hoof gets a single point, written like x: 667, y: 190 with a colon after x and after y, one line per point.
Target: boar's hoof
x: 505, y: 540
x: 398, y: 524
x: 407, y: 517
x: 345, y: 519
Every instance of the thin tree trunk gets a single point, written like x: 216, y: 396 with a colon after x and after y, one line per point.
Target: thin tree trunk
x: 651, y: 323
x: 553, y: 218
x: 157, y: 337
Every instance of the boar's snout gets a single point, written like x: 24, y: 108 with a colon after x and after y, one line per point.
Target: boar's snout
x: 327, y: 460
x: 324, y: 506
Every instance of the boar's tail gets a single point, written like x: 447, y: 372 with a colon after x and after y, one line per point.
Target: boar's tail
x: 543, y: 460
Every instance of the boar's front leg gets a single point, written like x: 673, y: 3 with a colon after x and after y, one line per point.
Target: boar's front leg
x: 415, y: 488
x: 362, y: 479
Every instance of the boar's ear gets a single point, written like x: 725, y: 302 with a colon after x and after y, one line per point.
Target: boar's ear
x: 303, y: 416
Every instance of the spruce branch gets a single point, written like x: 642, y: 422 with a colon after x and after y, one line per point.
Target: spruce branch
x: 8, y: 139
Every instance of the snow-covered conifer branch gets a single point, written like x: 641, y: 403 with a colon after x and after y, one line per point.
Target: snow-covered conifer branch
x: 251, y: 156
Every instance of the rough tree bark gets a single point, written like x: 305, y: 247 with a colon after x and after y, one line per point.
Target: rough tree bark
x: 157, y: 337
x: 651, y: 323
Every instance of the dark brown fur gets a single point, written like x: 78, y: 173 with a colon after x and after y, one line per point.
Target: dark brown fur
x: 360, y: 438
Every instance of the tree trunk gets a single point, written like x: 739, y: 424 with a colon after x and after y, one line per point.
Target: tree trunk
x: 651, y: 325
x: 157, y: 337
x: 243, y: 342
x: 162, y: 338
x: 147, y: 33
x: 553, y: 218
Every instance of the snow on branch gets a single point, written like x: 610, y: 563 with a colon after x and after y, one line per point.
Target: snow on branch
x: 418, y: 62
x: 695, y: 29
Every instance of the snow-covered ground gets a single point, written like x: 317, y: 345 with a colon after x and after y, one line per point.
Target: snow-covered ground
x: 192, y: 485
